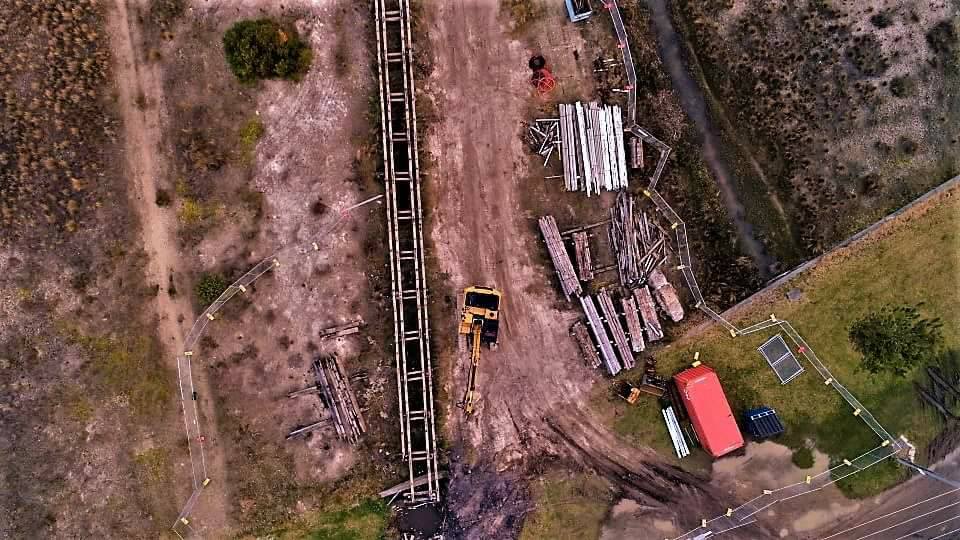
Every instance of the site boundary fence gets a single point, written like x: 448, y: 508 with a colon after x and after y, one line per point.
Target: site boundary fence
x: 194, y: 433
x: 743, y: 514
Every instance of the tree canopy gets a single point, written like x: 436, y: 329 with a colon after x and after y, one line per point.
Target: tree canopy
x: 895, y: 339
x: 263, y: 49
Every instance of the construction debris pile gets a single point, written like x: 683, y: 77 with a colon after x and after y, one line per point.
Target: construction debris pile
x: 638, y: 244
x: 338, y: 400
x: 543, y: 136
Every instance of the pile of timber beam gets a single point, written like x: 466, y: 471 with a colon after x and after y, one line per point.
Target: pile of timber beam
x: 600, y: 335
x: 561, y: 259
x: 638, y: 245
x: 339, y: 399
x: 592, y: 147
x: 613, y: 322
x: 633, y: 323
x: 581, y: 246
x: 649, y: 313
x: 342, y: 330
x: 582, y: 337
x: 666, y: 295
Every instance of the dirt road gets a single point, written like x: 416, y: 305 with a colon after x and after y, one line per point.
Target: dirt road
x: 534, y: 387
x: 142, y: 135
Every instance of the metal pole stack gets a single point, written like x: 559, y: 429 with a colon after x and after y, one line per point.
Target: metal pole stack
x: 581, y: 246
x: 561, y: 259
x: 633, y: 324
x: 592, y: 147
x: 613, y: 322
x: 582, y: 337
x: 649, y: 313
x: 600, y: 333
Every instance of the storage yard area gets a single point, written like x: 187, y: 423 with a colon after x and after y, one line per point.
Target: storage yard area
x: 456, y: 269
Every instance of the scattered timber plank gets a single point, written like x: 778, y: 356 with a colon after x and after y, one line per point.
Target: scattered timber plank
x: 310, y: 390
x: 299, y: 432
x: 342, y: 330
x: 613, y: 322
x: 418, y: 481
x: 633, y: 324
x: 582, y: 337
x: 649, y: 313
x: 344, y: 385
x: 600, y: 335
x: 581, y: 246
x: 561, y: 259
x: 666, y: 295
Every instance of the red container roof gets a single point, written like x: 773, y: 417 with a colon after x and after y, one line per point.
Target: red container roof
x: 709, y: 411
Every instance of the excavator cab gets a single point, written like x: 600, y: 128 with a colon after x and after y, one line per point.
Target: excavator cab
x: 481, y: 306
x: 480, y: 322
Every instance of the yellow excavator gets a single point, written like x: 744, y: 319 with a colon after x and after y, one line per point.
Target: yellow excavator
x: 480, y: 321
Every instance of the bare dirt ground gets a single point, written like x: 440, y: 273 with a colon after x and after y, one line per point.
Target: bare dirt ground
x: 534, y: 388
x: 143, y: 137
x: 184, y: 112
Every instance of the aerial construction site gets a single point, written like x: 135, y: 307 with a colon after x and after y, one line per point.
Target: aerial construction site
x: 481, y: 269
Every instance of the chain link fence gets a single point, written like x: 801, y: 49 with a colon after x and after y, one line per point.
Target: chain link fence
x: 191, y: 417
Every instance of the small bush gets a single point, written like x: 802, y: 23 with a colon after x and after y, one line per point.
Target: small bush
x: 802, y: 457
x: 943, y: 39
x: 523, y: 12
x: 210, y: 287
x: 881, y: 20
x: 902, y: 86
x: 262, y: 49
x: 163, y: 198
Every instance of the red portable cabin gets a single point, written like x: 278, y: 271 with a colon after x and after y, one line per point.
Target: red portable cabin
x: 709, y: 411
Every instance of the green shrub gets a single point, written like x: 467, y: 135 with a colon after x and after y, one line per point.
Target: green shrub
x: 802, y: 457
x: 263, y: 49
x: 896, y: 340
x: 902, y: 86
x: 209, y: 287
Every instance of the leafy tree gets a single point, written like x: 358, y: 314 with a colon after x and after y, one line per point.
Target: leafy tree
x: 896, y: 339
x: 263, y: 49
x: 210, y: 287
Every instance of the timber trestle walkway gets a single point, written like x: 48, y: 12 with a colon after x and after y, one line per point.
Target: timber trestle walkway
x: 398, y: 122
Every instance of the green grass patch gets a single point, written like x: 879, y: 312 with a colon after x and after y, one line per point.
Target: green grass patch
x: 126, y: 365
x: 368, y: 521
x: 567, y: 506
x: 910, y: 262
x: 249, y: 135
x: 154, y: 465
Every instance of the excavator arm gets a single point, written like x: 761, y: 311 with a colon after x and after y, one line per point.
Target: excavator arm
x: 470, y: 398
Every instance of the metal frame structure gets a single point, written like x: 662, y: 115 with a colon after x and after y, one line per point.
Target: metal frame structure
x: 778, y: 355
x: 398, y: 122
